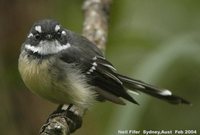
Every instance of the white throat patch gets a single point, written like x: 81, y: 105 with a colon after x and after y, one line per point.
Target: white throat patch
x: 47, y: 47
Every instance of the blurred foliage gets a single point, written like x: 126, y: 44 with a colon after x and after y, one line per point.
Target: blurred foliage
x: 152, y: 40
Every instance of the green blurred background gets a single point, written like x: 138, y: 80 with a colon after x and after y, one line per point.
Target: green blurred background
x: 157, y: 41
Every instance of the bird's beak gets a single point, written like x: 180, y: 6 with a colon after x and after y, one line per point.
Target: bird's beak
x: 49, y: 37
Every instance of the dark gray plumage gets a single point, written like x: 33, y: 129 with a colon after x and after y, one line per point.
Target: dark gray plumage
x: 70, y: 52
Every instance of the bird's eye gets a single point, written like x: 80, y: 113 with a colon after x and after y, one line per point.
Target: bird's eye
x: 37, y: 36
x: 58, y: 34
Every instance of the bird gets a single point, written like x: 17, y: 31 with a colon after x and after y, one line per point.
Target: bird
x: 66, y: 68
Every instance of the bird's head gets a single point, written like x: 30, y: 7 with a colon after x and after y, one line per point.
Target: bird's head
x: 46, y: 37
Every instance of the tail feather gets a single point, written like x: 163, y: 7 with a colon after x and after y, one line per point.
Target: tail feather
x: 164, y: 94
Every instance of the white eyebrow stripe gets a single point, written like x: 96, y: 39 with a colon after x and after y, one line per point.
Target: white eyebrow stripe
x: 57, y: 27
x: 38, y: 28
x: 51, y: 48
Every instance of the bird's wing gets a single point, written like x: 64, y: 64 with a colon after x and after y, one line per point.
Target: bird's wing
x: 104, y: 76
x: 99, y: 72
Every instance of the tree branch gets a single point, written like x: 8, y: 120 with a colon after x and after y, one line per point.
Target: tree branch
x: 68, y: 118
x: 95, y: 26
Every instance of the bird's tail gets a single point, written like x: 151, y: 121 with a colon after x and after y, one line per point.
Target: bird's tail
x: 164, y: 94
